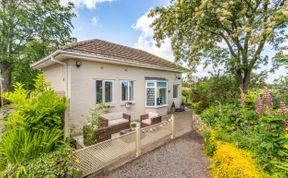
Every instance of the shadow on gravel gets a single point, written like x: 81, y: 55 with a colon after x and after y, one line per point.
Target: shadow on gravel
x: 182, y: 157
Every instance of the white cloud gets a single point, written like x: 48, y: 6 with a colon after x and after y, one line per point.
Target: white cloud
x: 94, y: 21
x: 147, y: 43
x: 90, y: 4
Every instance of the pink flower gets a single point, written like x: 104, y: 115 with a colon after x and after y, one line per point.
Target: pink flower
x: 268, y: 100
x: 259, y: 105
x: 282, y: 109
x: 242, y: 97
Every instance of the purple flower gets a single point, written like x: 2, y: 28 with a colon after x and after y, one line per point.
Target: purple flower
x: 268, y: 100
x: 282, y: 109
x: 259, y: 105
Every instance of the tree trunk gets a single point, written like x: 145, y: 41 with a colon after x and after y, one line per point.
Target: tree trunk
x: 244, y: 83
x: 6, y: 70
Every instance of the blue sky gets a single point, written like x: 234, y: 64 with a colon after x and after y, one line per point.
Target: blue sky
x: 114, y: 20
x: 126, y: 22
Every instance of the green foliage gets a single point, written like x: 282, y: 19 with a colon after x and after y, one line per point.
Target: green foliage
x: 20, y: 145
x: 211, y: 115
x: 39, y: 109
x: 31, y: 30
x: 250, y: 98
x: 94, y: 115
x: 33, y: 129
x: 196, y: 28
x: 209, y: 141
x: 133, y: 125
x: 187, y: 95
x: 210, y: 91
x: 53, y: 164
x: 241, y: 125
x: 94, y: 123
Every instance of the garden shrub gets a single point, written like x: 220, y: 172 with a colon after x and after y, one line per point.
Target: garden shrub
x: 53, y: 165
x: 262, y: 133
x: 187, y: 94
x: 94, y: 123
x: 230, y: 161
x: 209, y: 141
x: 33, y: 129
x: 211, y: 115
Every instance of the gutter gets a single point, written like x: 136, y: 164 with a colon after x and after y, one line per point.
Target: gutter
x: 65, y: 77
x: 108, y: 59
x: 105, y: 59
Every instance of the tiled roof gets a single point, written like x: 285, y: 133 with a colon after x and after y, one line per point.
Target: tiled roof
x: 125, y: 53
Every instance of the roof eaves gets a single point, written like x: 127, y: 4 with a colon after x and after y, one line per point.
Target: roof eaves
x: 106, y: 59
x: 111, y: 59
x: 37, y: 63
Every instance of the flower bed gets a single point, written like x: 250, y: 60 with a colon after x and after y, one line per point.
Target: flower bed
x: 254, y: 125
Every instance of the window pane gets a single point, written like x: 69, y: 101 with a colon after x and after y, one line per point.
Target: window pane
x: 124, y: 86
x: 161, y: 84
x: 150, y: 97
x: 131, y: 90
x: 175, y: 91
x: 108, y: 91
x: 150, y: 84
x: 161, y: 99
x: 99, y: 90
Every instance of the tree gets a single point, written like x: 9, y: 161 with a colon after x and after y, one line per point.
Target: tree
x: 29, y: 30
x: 232, y: 33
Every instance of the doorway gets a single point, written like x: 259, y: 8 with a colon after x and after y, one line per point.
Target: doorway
x: 176, y: 95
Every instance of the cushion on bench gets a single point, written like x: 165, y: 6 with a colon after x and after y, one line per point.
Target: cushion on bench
x: 147, y: 121
x: 113, y: 116
x: 152, y: 115
x: 117, y: 122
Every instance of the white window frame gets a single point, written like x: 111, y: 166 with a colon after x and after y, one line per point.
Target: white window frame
x: 103, y: 91
x: 129, y: 99
x: 155, y: 96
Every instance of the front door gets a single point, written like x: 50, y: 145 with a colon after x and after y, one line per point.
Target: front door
x: 176, y: 95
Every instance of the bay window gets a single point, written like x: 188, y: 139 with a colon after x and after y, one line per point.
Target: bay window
x: 104, y: 91
x: 156, y: 93
x: 127, y: 90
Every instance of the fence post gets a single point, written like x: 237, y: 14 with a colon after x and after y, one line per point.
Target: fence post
x: 138, y: 141
x: 172, y: 126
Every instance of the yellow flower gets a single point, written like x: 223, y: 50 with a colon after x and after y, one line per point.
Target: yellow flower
x: 286, y: 136
x: 77, y: 169
x: 286, y: 129
x: 202, y: 128
x: 77, y: 161
x: 230, y: 161
x: 286, y: 146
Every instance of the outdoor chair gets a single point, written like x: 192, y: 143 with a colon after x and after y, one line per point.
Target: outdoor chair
x: 115, y: 121
x: 150, y: 119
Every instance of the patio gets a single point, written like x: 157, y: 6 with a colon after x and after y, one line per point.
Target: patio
x: 115, y: 152
x: 183, y: 122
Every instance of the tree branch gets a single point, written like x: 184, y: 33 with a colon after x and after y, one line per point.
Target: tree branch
x: 229, y: 45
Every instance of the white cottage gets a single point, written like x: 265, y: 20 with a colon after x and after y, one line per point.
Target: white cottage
x: 128, y: 79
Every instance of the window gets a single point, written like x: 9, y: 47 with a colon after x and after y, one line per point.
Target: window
x: 104, y: 91
x: 156, y: 93
x: 127, y: 90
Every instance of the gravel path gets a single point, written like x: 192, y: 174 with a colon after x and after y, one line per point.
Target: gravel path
x: 182, y: 157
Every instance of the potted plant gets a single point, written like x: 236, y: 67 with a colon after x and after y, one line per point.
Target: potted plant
x: 128, y: 104
x: 173, y: 107
x: 182, y: 106
x: 133, y: 125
